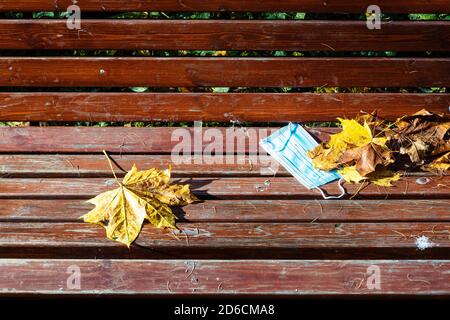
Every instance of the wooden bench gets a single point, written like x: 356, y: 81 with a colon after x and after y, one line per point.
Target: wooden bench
x: 252, y: 234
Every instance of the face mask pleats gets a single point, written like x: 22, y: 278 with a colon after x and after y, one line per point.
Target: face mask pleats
x: 289, y: 146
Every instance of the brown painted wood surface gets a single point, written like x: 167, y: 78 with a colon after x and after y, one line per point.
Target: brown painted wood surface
x: 398, y: 6
x: 257, y: 277
x: 46, y: 172
x: 229, y: 240
x: 314, y: 211
x: 38, y: 106
x: 89, y: 165
x: 226, y: 188
x: 225, y: 35
x: 123, y: 140
x: 224, y: 72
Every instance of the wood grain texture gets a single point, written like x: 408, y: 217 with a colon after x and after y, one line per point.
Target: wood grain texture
x: 54, y: 210
x: 226, y: 240
x: 257, y: 277
x: 38, y: 106
x: 95, y: 166
x: 123, y: 140
x: 88, y: 165
x: 226, y: 35
x: 244, y: 215
x: 400, y: 6
x: 225, y: 188
x: 224, y: 72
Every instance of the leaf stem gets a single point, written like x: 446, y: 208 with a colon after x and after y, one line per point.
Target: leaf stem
x: 111, y: 166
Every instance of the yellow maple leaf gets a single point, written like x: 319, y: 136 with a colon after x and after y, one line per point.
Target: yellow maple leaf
x: 357, y: 134
x: 383, y: 177
x: 142, y: 195
x: 354, y: 133
x: 351, y: 175
x: 355, y: 143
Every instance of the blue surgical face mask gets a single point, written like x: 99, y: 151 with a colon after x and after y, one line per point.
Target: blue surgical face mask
x: 289, y: 146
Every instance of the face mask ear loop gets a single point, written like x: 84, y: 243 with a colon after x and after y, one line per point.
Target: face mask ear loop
x: 343, y: 192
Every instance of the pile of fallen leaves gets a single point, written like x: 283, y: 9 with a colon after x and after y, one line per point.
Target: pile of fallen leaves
x: 142, y: 195
x: 370, y: 149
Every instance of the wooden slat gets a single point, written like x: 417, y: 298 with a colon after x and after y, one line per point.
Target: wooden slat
x: 400, y: 6
x: 124, y: 140
x: 226, y: 35
x: 87, y: 165
x: 225, y: 72
x: 174, y: 277
x: 218, y: 240
x: 211, y: 107
x: 95, y: 166
x: 225, y: 188
x: 18, y: 210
